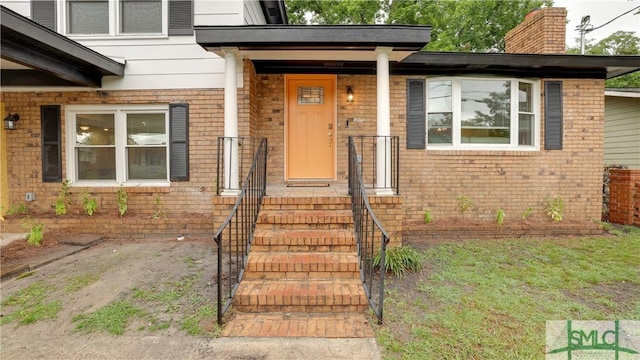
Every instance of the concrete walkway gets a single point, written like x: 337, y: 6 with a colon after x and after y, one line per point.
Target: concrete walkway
x: 82, y: 346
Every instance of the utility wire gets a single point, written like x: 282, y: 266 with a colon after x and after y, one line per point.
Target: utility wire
x: 610, y: 21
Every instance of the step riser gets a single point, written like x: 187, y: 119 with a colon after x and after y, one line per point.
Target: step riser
x: 294, y: 207
x: 301, y: 309
x: 268, y: 265
x: 276, y: 240
x: 306, y: 203
x: 303, y: 248
x: 340, y: 303
x: 310, y: 218
x: 301, y: 275
x: 311, y: 222
x: 305, y: 226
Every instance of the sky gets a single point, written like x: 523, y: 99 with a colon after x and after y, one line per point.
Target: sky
x: 601, y: 11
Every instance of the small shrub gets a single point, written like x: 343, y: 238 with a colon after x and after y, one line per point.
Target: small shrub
x: 555, y: 208
x: 158, y: 212
x: 500, y: 217
x: 18, y: 209
x: 89, y: 204
x: 464, y: 203
x: 36, y: 232
x: 60, y: 206
x: 399, y: 260
x: 122, y: 200
x: 61, y: 202
x: 427, y: 216
x: 527, y: 213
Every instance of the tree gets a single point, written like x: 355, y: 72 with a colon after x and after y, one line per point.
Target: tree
x: 618, y: 43
x: 464, y: 25
x: 334, y: 12
x: 457, y: 25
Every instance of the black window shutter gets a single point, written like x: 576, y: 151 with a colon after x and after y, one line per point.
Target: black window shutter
x: 51, y: 143
x: 416, y: 115
x: 44, y: 13
x: 180, y: 17
x: 179, y: 141
x: 553, y: 115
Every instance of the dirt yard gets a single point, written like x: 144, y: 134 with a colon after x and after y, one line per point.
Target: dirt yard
x: 169, y: 283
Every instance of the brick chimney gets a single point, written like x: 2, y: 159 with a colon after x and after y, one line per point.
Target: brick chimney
x: 541, y: 32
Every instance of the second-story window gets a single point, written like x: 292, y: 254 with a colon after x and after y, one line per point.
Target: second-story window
x: 88, y: 16
x: 140, y: 16
x: 114, y: 17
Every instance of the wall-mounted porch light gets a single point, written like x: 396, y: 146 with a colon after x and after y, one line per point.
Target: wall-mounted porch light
x: 349, y: 94
x: 10, y: 121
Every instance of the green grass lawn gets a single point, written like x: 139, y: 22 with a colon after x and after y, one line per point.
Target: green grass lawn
x: 491, y: 299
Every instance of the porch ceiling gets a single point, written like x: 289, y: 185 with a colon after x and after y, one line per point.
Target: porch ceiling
x: 33, y: 55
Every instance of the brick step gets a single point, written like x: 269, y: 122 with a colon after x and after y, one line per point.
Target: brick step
x: 313, y: 265
x: 310, y: 296
x: 298, y: 325
x: 302, y: 240
x: 306, y: 203
x: 305, y: 219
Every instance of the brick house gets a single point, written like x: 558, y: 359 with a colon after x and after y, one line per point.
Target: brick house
x: 147, y: 102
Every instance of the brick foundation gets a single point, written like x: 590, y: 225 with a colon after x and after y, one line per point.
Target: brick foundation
x: 624, y: 196
x: 490, y: 230
x: 112, y: 225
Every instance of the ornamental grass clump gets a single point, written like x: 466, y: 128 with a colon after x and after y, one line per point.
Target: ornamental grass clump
x: 399, y: 260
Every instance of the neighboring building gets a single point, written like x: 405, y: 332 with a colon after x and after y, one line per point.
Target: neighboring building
x: 146, y: 108
x: 622, y: 127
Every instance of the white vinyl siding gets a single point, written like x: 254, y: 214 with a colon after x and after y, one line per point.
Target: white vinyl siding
x: 622, y: 131
x: 219, y: 12
x: 253, y: 13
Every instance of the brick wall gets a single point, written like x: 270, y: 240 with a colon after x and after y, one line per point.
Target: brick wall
x: 624, y: 196
x: 508, y: 180
x: 511, y: 180
x: 24, y: 151
x: 541, y: 32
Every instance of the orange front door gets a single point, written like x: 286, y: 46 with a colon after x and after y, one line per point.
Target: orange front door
x: 310, y: 130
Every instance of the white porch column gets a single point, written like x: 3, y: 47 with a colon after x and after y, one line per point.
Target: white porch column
x: 383, y: 152
x: 231, y: 169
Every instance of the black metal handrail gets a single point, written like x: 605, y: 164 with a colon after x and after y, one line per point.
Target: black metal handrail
x: 369, y: 149
x: 371, y: 238
x: 243, y: 148
x: 234, y: 236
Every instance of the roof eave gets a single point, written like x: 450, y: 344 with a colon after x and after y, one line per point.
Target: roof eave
x: 582, y: 66
x: 33, y: 45
x: 313, y: 37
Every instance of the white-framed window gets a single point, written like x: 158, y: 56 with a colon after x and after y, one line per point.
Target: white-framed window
x: 115, y: 17
x: 112, y: 145
x: 482, y: 113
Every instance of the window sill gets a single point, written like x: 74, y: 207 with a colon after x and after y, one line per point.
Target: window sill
x: 78, y: 37
x: 466, y: 151
x: 106, y: 187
